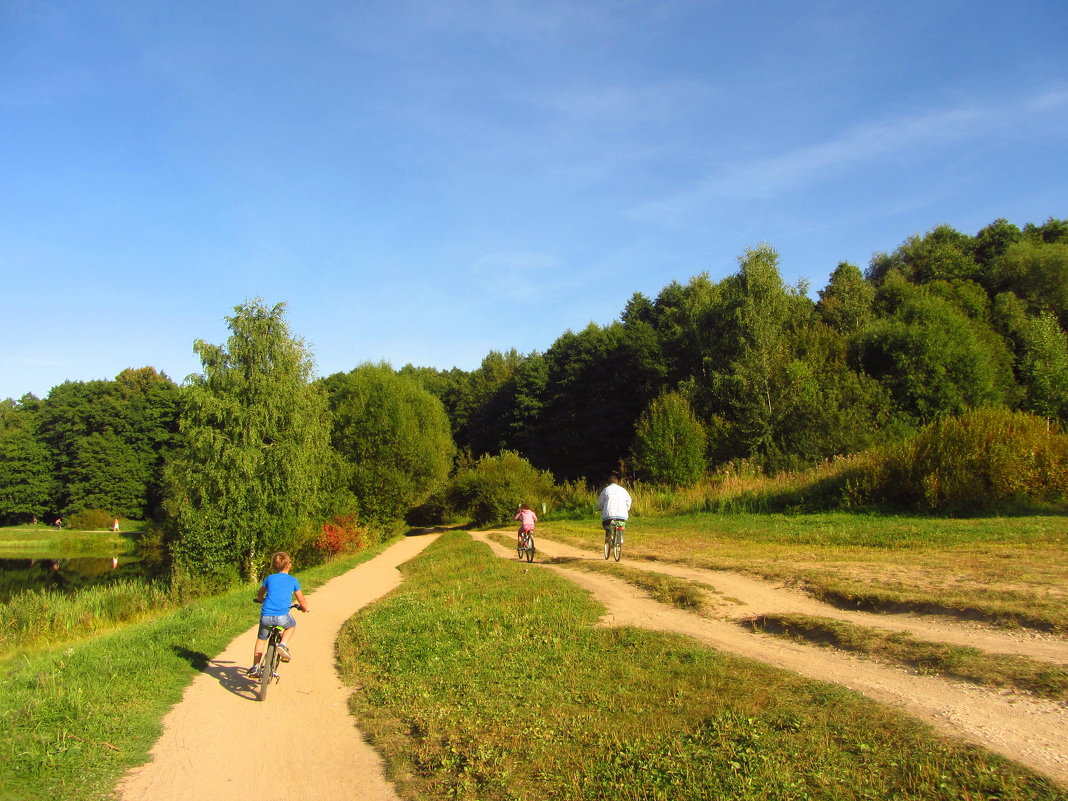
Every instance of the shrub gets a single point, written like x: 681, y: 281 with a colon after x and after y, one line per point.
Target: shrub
x: 493, y: 489
x: 91, y: 520
x: 670, y: 442
x: 984, y: 460
x: 342, y: 534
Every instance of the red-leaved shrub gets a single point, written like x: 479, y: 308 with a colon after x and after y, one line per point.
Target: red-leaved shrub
x: 340, y: 535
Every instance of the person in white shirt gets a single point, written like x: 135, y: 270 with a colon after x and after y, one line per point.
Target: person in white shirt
x: 613, y: 502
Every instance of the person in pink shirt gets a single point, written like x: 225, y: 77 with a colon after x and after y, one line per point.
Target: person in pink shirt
x: 527, y: 519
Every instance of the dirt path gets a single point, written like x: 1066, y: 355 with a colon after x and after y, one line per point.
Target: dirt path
x: 301, y: 743
x: 1031, y: 731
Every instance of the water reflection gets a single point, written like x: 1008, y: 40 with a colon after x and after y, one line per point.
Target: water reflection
x: 63, y: 573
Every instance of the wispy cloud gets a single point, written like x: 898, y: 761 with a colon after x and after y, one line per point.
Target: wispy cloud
x: 901, y: 137
x: 515, y: 275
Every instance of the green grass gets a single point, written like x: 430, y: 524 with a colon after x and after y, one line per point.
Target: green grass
x: 677, y: 592
x: 478, y: 680
x: 1007, y: 570
x: 955, y: 661
x: 32, y: 541
x: 73, y: 719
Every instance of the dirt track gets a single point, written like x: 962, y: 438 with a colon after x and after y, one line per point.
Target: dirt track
x: 1031, y: 731
x: 213, y: 745
x: 301, y: 744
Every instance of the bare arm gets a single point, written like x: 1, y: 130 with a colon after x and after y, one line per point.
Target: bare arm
x: 300, y: 600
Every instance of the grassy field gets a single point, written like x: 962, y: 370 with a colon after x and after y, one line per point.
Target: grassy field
x: 482, y: 678
x: 1008, y: 570
x: 74, y: 718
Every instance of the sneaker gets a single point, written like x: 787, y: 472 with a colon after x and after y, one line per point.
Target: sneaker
x: 283, y: 650
x: 253, y: 672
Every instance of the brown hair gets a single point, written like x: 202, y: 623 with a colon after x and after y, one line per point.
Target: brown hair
x: 281, y: 561
x: 524, y: 507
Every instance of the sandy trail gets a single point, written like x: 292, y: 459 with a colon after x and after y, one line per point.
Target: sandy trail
x: 1031, y: 731
x: 219, y: 741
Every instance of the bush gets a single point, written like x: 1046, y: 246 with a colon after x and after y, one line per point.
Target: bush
x: 91, y: 520
x: 341, y: 535
x: 493, y: 489
x: 669, y: 442
x: 985, y: 460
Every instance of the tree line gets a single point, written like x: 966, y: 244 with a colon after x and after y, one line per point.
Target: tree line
x: 254, y: 453
x: 946, y: 323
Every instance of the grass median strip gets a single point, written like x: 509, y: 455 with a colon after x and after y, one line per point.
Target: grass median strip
x: 689, y: 595
x: 478, y: 680
x: 955, y: 661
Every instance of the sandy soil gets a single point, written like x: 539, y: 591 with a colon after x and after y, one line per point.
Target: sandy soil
x: 214, y: 743
x: 1031, y: 731
x: 300, y: 743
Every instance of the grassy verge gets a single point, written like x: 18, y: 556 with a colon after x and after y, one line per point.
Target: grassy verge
x: 477, y: 680
x: 74, y: 719
x: 960, y: 662
x: 1012, y: 571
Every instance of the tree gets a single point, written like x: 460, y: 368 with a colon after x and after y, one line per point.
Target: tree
x: 846, y: 303
x: 136, y: 415
x: 249, y: 476
x: 394, y: 439
x: 27, y: 482
x: 669, y: 443
x: 1037, y: 271
x: 1043, y: 367
x: 931, y: 358
x: 751, y: 387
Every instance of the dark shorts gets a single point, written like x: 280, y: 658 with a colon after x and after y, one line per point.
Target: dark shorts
x: 266, y: 621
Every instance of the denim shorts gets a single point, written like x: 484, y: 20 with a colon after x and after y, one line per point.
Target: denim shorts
x: 266, y: 621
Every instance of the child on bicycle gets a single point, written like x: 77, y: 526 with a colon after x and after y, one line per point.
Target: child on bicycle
x: 527, y: 519
x: 276, y: 594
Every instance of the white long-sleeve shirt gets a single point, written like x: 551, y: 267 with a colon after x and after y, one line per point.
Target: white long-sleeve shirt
x: 614, y: 503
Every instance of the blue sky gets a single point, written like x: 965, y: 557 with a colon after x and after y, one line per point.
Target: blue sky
x: 425, y: 181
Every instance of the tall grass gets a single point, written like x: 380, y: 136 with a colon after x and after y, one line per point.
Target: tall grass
x: 482, y: 678
x: 44, y: 617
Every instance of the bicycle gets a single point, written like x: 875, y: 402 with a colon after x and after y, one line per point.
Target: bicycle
x: 613, y: 538
x: 272, y: 657
x: 526, y: 545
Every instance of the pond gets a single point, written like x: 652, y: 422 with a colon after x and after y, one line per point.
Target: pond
x: 30, y: 560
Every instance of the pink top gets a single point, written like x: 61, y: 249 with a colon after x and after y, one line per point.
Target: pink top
x: 527, y: 519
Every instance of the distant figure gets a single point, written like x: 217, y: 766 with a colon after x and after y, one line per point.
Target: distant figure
x: 527, y: 519
x: 114, y: 562
x: 115, y: 525
x: 34, y: 521
x: 613, y: 502
x: 58, y: 523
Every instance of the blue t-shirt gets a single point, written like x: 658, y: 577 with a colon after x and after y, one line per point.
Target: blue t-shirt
x: 280, y: 589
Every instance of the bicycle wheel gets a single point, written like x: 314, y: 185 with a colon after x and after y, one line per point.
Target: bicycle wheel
x: 530, y: 548
x: 617, y: 542
x: 266, y: 669
x: 519, y: 550
x: 608, y: 543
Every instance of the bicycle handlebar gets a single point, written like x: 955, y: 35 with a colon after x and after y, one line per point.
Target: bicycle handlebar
x: 293, y: 606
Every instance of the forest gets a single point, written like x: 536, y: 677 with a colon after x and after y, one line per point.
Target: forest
x: 708, y: 373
